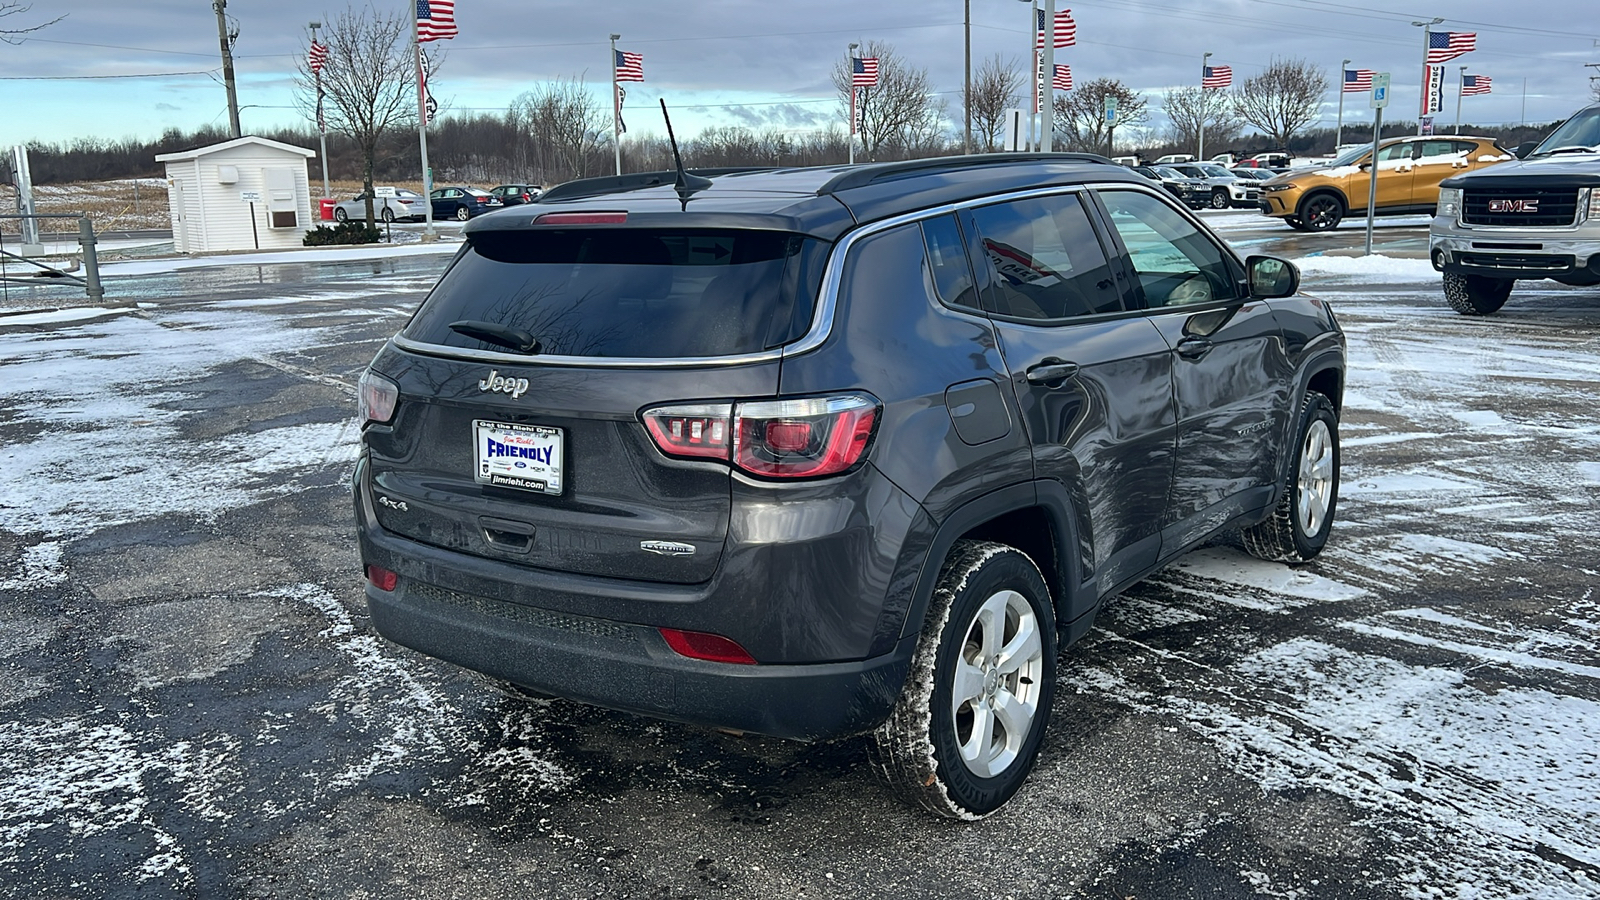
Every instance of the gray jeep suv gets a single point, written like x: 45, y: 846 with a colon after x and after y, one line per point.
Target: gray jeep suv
x: 816, y: 452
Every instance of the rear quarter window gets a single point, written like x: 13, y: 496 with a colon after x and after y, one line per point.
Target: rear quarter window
x: 630, y: 292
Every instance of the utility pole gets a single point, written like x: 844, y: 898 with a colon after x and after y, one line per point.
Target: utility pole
x: 227, y: 38
x: 966, y: 97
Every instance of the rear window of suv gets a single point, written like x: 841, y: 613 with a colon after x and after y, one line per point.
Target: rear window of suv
x: 630, y: 292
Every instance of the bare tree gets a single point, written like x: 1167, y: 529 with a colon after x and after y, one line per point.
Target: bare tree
x: 996, y: 87
x: 565, y: 125
x: 17, y: 7
x: 900, y: 111
x: 1283, y: 99
x: 369, y: 80
x: 1080, y: 114
x: 1188, y: 108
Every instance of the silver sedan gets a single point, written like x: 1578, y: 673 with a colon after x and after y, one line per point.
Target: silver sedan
x: 403, y: 205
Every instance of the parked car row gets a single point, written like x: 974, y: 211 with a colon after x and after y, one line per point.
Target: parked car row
x: 460, y: 203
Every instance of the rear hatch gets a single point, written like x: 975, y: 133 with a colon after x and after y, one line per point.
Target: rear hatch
x: 537, y: 455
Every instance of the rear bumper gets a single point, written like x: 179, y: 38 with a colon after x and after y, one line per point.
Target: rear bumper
x: 1515, y: 253
x: 596, y: 639
x: 630, y: 667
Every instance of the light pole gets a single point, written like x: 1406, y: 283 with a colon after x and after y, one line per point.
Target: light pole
x: 850, y: 73
x: 1427, y: 73
x: 1033, y: 57
x: 1204, y: 104
x: 966, y: 95
x: 1338, y: 132
x: 322, y: 128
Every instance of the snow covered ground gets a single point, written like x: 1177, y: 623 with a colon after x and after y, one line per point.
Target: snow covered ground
x: 192, y: 701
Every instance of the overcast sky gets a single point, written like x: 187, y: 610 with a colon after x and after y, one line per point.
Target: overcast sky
x: 727, y: 62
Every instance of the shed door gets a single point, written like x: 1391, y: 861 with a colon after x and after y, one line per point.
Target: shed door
x: 282, y: 210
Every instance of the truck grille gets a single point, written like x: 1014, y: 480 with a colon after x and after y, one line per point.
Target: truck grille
x: 1511, y: 206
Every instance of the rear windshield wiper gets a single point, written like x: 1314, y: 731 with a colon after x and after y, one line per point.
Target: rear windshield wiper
x: 504, y: 335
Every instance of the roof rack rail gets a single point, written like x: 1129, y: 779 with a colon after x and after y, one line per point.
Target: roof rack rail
x: 633, y: 181
x: 861, y: 176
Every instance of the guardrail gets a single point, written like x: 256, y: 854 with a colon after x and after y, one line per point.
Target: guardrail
x: 91, y: 260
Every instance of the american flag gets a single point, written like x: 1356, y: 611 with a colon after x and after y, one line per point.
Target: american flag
x: 863, y: 71
x: 630, y: 66
x: 1066, y: 29
x: 1476, y: 84
x: 1063, y: 79
x: 1216, y: 76
x: 318, y: 57
x: 1447, y: 45
x: 436, y: 20
x: 1356, y: 80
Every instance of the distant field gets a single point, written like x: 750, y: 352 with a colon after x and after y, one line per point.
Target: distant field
x: 128, y: 204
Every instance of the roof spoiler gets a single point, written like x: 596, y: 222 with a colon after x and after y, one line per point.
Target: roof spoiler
x: 633, y: 181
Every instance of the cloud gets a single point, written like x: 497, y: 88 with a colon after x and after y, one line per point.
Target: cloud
x: 168, y: 107
x: 780, y: 115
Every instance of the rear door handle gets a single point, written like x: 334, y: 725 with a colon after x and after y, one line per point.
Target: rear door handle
x: 1051, y: 372
x: 1194, y: 347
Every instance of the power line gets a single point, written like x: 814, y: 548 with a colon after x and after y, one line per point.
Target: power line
x: 97, y: 77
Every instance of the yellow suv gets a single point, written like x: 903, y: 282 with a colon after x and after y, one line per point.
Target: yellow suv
x: 1409, y: 172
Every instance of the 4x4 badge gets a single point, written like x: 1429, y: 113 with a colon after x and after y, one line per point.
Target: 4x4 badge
x: 516, y: 387
x: 667, y: 548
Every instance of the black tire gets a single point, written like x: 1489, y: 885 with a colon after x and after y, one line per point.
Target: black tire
x: 919, y: 750
x: 1295, y: 223
x: 1320, y: 212
x: 1219, y: 199
x: 1475, y: 295
x: 388, y: 214
x: 1296, y: 532
x: 463, y: 214
x: 340, y: 215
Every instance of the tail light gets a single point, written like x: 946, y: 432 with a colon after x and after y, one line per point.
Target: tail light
x: 378, y: 398
x: 805, y: 438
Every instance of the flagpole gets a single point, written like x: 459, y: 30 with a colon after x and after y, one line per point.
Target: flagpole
x: 1427, y: 74
x: 616, y: 107
x: 1047, y: 124
x: 322, y: 128
x: 1200, y: 152
x: 1033, y: 50
x: 1461, y: 89
x: 850, y: 73
x: 422, y: 131
x: 1338, y: 132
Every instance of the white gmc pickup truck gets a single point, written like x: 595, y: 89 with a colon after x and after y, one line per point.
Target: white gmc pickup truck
x: 1537, y: 217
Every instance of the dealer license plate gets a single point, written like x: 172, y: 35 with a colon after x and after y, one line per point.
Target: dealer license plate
x: 526, y: 457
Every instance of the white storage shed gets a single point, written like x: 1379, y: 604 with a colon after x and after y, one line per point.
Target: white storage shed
x: 245, y: 194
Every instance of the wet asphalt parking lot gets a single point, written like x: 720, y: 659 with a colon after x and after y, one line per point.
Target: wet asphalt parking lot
x: 193, y: 703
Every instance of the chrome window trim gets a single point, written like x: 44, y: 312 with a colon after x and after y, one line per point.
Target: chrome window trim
x: 821, y: 320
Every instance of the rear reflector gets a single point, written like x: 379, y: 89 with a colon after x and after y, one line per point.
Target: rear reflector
x: 709, y: 647
x: 381, y: 578
x: 582, y: 218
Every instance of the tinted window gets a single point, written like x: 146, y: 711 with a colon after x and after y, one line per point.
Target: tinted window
x: 947, y: 258
x: 1047, y: 261
x: 1174, y: 261
x: 1444, y: 148
x: 1395, y: 151
x: 630, y: 292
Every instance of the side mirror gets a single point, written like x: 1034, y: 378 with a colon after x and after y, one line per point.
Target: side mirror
x: 1525, y: 148
x: 1365, y: 166
x: 1271, y: 277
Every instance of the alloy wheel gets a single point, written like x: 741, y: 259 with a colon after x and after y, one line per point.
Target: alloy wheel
x: 1316, y: 478
x: 996, y: 688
